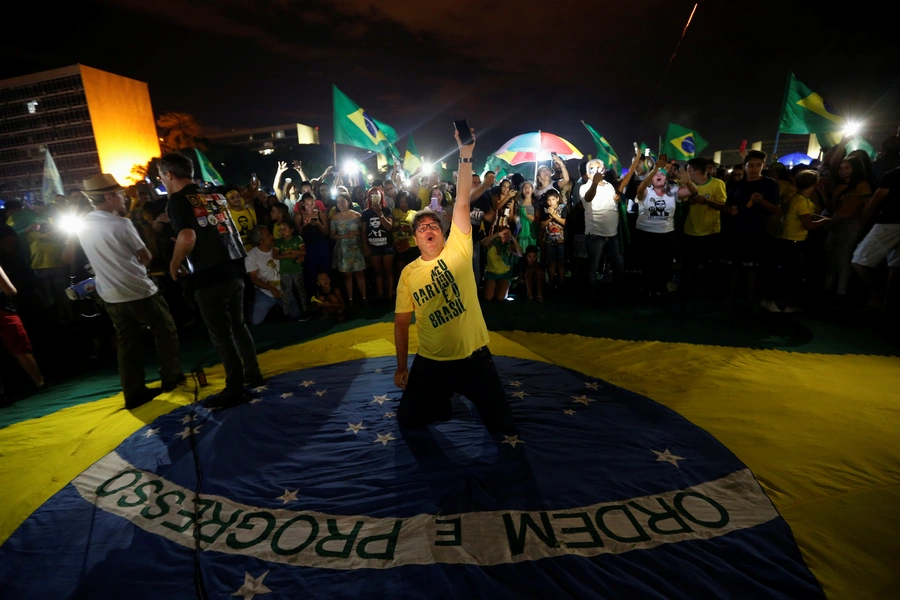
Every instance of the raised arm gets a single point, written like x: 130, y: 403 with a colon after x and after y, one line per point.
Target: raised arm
x: 461, y: 217
x: 562, y: 166
x: 631, y: 170
x: 282, y: 167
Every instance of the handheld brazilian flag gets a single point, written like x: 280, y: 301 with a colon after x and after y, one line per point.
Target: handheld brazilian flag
x: 683, y: 143
x: 207, y: 170
x: 644, y: 147
x: 51, y: 183
x: 805, y: 111
x: 411, y: 160
x: 605, y: 151
x: 354, y: 127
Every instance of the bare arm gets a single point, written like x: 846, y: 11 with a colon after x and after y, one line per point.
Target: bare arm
x: 402, y: 322
x: 184, y: 244
x: 565, y: 171
x: 6, y: 286
x: 282, y: 167
x: 634, y: 164
x: 873, y: 204
x: 461, y: 211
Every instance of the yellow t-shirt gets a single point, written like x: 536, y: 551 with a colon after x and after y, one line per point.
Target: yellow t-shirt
x: 403, y: 218
x: 245, y: 220
x: 494, y: 261
x: 702, y: 219
x: 850, y: 204
x: 443, y: 294
x: 46, y: 250
x: 793, y: 228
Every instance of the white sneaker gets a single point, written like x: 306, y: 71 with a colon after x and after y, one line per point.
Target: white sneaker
x: 793, y: 309
x: 770, y: 306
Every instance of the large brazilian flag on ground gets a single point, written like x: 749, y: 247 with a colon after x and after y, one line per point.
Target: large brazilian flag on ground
x: 660, y: 452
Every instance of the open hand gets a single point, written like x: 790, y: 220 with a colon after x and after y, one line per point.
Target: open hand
x: 282, y: 167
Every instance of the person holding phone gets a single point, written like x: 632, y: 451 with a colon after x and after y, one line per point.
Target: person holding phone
x: 439, y: 288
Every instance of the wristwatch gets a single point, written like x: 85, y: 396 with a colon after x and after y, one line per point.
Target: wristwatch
x: 464, y: 160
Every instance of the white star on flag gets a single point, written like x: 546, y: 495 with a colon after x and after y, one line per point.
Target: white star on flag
x: 355, y: 428
x: 389, y: 415
x: 189, y: 431
x: 287, y: 394
x: 381, y: 399
x: 668, y: 457
x: 384, y: 439
x: 378, y: 370
x: 151, y: 432
x: 255, y: 400
x: 288, y: 496
x: 515, y: 383
x: 582, y: 399
x: 252, y: 586
x: 592, y: 385
x: 321, y: 393
x: 512, y: 440
x: 188, y: 418
x: 569, y: 411
x: 518, y: 394
x: 307, y: 383
x: 259, y: 389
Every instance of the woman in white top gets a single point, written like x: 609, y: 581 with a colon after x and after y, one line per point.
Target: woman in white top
x: 654, y: 239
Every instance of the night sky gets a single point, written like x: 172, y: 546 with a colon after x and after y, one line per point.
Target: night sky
x: 507, y: 69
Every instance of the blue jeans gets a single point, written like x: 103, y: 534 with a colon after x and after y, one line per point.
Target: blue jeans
x: 596, y: 245
x: 262, y: 304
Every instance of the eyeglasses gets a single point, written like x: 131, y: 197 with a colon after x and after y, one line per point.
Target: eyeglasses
x: 424, y: 227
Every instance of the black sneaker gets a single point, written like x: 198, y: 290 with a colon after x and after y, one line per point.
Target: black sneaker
x: 142, y: 398
x: 224, y: 400
x: 168, y: 387
x: 254, y: 380
x: 304, y: 316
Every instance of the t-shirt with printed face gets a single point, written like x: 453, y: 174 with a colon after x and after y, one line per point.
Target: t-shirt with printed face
x: 657, y: 213
x: 376, y: 235
x: 443, y: 294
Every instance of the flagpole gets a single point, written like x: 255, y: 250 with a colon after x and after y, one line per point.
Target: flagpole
x: 787, y: 88
x: 537, y: 158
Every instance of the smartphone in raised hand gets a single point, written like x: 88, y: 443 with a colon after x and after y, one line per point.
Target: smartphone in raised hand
x: 465, y: 132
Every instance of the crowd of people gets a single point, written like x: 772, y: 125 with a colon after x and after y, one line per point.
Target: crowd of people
x: 757, y: 236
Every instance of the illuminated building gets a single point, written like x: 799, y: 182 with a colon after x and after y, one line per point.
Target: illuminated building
x: 91, y: 121
x: 266, y: 140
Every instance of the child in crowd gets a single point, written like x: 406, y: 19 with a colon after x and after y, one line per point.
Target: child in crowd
x: 501, y: 246
x: 291, y: 251
x: 534, y: 274
x: 329, y: 300
x: 554, y: 236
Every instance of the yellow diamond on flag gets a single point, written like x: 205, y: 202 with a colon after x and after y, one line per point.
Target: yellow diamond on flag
x: 685, y: 144
x: 367, y: 126
x: 815, y: 103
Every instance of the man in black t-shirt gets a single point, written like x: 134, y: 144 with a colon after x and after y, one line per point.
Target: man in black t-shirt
x: 207, y: 236
x: 750, y: 202
x: 883, y: 241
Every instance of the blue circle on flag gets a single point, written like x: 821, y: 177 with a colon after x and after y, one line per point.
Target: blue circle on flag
x: 687, y: 144
x: 370, y: 124
x: 313, y: 487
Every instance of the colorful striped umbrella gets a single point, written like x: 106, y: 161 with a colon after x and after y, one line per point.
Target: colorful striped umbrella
x: 534, y: 147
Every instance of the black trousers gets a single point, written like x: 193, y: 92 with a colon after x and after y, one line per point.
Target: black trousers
x: 656, y: 251
x: 222, y: 309
x: 432, y: 383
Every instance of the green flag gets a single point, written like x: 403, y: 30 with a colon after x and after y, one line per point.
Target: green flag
x: 644, y: 147
x: 605, y: 151
x: 207, y: 170
x: 411, y: 160
x: 861, y: 143
x: 805, y: 111
x: 683, y: 143
x: 354, y: 127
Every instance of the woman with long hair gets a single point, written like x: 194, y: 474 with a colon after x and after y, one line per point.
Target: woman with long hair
x: 378, y: 223
x: 654, y: 236
x: 348, y: 258
x: 849, y: 193
x: 313, y: 226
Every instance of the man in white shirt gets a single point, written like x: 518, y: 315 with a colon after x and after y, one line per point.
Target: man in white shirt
x: 119, y: 259
x: 601, y: 225
x: 265, y: 273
